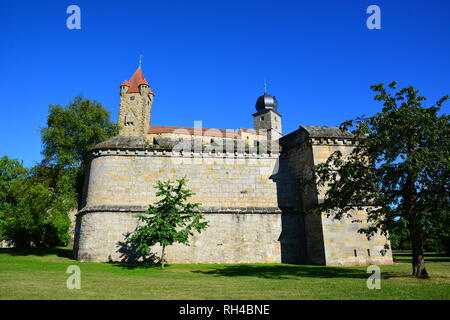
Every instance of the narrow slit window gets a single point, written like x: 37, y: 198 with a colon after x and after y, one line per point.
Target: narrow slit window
x: 355, y: 253
x: 368, y: 252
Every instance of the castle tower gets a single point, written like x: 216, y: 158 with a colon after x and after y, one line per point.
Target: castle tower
x: 136, y: 100
x: 267, y: 117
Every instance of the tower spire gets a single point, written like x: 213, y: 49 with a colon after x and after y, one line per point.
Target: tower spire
x: 265, y: 86
x: 140, y: 61
x: 136, y: 100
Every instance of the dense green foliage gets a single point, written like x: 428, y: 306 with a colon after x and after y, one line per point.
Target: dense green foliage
x: 71, y: 131
x: 171, y: 219
x: 437, y: 238
x: 10, y: 172
x: 34, y: 203
x: 399, y: 172
x: 31, y: 214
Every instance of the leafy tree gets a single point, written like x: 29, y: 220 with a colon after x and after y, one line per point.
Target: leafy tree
x: 71, y: 131
x: 399, y: 235
x: 437, y: 239
x: 39, y: 217
x: 10, y: 171
x: 34, y: 203
x: 32, y: 213
x: 398, y: 170
x: 171, y: 219
x: 439, y: 233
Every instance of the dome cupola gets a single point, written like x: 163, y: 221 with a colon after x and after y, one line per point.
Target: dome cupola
x: 266, y: 102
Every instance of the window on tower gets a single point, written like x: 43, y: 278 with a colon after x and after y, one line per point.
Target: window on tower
x: 129, y: 119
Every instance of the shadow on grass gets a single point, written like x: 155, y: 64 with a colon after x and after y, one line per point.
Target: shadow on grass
x: 41, y: 252
x: 138, y: 265
x: 292, y: 271
x: 429, y: 258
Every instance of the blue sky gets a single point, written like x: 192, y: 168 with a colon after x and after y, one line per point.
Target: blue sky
x: 207, y: 60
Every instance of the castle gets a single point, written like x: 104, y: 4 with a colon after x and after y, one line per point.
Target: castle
x: 247, y: 181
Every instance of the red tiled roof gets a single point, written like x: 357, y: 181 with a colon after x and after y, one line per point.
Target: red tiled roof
x: 252, y: 131
x: 143, y: 82
x: 196, y: 131
x: 136, y: 80
x: 211, y: 132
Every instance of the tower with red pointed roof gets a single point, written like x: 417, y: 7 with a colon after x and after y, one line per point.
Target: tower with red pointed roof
x: 136, y: 101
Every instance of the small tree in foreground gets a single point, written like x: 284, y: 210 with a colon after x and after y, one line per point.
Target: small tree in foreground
x: 171, y: 219
x: 398, y: 172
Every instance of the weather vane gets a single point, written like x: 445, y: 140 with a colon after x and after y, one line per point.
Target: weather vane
x: 140, y: 61
x: 265, y: 86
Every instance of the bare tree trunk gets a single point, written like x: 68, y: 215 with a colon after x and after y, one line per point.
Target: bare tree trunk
x: 418, y: 262
x: 415, y: 229
x: 163, y: 257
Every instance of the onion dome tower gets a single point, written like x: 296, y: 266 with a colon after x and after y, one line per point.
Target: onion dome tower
x: 267, y: 116
x: 266, y: 102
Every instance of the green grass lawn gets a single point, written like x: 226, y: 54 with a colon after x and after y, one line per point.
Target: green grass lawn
x: 41, y: 274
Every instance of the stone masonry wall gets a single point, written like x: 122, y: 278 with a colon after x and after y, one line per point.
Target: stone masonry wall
x: 230, y: 238
x: 218, y: 182
x: 299, y: 161
x: 138, y: 107
x: 328, y: 241
x: 239, y: 195
x: 343, y: 244
x: 253, y: 202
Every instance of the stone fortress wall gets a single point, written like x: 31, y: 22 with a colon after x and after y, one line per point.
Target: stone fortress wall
x: 252, y: 201
x: 247, y: 181
x: 238, y: 197
x: 330, y: 241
